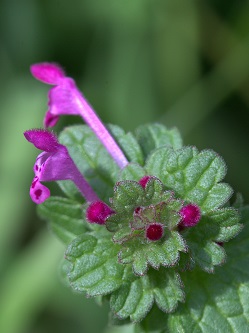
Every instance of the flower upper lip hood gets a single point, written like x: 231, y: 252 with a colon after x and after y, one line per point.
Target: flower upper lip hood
x: 53, y: 164
x: 48, y: 73
x: 66, y: 99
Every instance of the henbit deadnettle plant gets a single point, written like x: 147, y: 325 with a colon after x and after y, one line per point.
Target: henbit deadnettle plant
x: 151, y: 213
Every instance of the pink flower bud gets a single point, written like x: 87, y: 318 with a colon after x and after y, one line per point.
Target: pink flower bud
x: 191, y: 215
x: 144, y: 180
x: 97, y: 212
x: 154, y: 231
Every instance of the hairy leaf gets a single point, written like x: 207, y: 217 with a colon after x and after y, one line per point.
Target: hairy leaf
x: 128, y: 144
x: 95, y: 269
x: 136, y: 297
x: 127, y: 194
x: 132, y: 172
x: 205, y: 238
x: 193, y: 176
x: 64, y: 217
x: 154, y: 254
x: 152, y: 136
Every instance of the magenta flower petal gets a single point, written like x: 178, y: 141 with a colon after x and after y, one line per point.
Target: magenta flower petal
x: 48, y: 73
x: 61, y: 102
x: 50, y: 120
x: 53, y: 164
x: 66, y: 99
x: 42, y: 140
x: 38, y: 192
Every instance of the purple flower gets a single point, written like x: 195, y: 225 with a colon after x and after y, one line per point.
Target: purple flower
x: 53, y: 164
x: 66, y: 99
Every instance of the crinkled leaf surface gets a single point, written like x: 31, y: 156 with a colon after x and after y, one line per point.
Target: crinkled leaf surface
x: 207, y: 255
x: 130, y: 194
x: 193, y: 176
x: 152, y: 136
x: 137, y: 295
x: 94, y: 265
x: 215, y: 303
x: 132, y: 172
x: 215, y: 227
x: 227, y: 219
x: 64, y: 217
x: 155, y: 254
x: 127, y: 194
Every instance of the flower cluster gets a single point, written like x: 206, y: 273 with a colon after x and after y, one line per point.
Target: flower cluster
x: 166, y: 208
x: 55, y: 163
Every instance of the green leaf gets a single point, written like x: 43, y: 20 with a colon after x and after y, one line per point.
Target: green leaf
x: 219, y: 225
x: 128, y: 144
x: 92, y: 159
x: 154, y: 190
x: 95, y: 269
x: 227, y: 219
x: 208, y: 255
x: 216, y: 226
x: 167, y: 290
x: 170, y: 214
x: 152, y: 136
x: 155, y: 254
x: 214, y: 302
x: 191, y: 175
x: 136, y: 297
x: 116, y: 221
x: 64, y: 217
x: 127, y: 195
x: 122, y: 235
x: 132, y: 172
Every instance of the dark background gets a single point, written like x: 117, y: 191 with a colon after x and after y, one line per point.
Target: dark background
x: 183, y: 63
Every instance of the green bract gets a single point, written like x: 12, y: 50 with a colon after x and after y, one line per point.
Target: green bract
x: 136, y: 208
x: 137, y: 274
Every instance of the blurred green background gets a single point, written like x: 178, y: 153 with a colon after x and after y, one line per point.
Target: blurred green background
x: 183, y: 63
